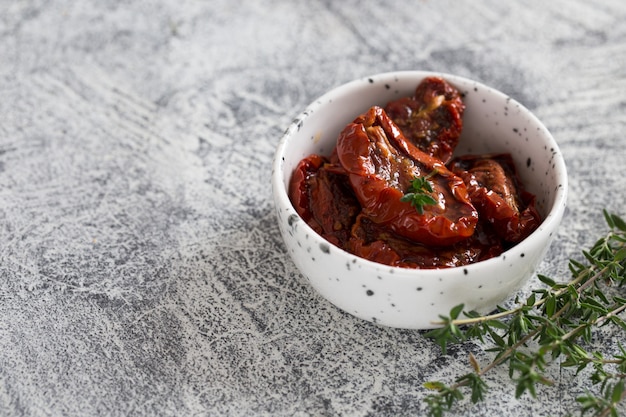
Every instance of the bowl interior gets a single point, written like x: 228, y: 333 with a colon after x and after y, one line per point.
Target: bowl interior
x: 493, y: 122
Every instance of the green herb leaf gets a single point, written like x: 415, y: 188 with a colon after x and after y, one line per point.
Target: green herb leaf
x: 419, y: 193
x: 546, y: 280
x: 434, y: 385
x: 559, y: 321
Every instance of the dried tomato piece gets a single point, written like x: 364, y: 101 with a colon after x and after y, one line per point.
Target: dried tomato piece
x: 496, y: 191
x: 366, y: 243
x: 323, y: 198
x: 432, y: 118
x: 376, y: 243
x: 298, y: 186
x: 381, y: 164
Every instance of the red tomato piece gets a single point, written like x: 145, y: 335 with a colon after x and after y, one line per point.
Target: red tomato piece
x: 381, y: 164
x: 298, y: 186
x: 432, y: 118
x: 496, y: 192
x: 376, y: 243
x: 322, y: 196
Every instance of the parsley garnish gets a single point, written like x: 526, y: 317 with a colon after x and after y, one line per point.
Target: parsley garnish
x: 419, y: 193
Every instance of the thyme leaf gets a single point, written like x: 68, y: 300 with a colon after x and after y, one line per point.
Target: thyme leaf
x: 420, y: 192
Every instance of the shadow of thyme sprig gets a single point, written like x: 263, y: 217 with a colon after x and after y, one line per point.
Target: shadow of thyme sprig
x: 559, y: 319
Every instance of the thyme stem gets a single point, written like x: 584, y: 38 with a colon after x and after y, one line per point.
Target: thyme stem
x: 564, y: 314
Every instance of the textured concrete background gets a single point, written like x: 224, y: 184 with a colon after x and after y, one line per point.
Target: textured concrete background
x: 141, y: 268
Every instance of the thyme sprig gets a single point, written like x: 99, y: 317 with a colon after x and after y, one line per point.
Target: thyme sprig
x: 555, y: 321
x: 420, y: 192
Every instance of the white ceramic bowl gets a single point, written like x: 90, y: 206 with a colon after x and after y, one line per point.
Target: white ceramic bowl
x: 414, y: 298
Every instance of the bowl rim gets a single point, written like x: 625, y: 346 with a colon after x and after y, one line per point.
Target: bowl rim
x: 549, y: 223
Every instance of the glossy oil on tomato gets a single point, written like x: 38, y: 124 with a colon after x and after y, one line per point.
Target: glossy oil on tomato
x: 354, y: 197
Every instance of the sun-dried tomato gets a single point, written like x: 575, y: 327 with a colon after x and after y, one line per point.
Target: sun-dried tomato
x: 381, y: 163
x: 299, y: 187
x: 323, y: 198
x: 378, y: 244
x: 432, y: 118
x: 495, y: 190
x: 473, y: 208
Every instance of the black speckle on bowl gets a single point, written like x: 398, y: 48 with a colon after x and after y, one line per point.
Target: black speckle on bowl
x: 293, y: 219
x: 325, y: 247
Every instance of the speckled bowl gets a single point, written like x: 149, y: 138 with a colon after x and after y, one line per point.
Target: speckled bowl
x: 413, y: 298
